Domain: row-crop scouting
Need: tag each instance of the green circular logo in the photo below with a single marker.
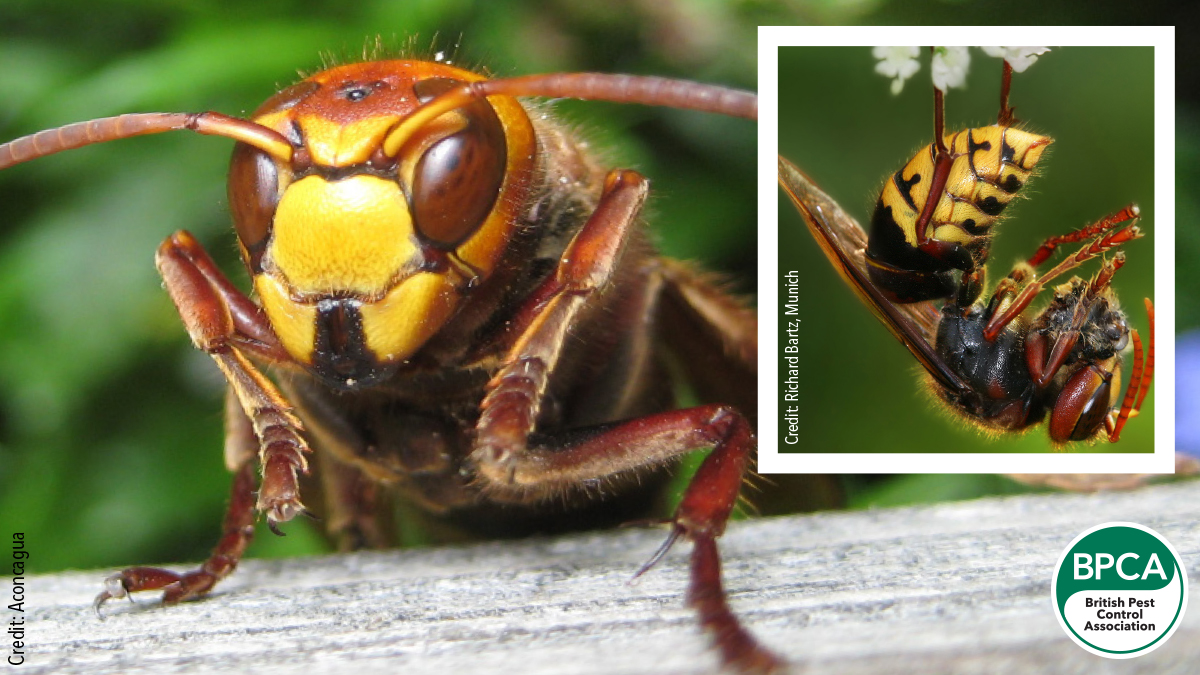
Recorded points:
(1119, 590)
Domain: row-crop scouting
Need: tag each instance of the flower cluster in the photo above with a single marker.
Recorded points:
(949, 65)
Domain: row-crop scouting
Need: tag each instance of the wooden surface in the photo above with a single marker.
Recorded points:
(961, 588)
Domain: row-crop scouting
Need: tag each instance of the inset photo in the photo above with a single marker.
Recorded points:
(982, 302)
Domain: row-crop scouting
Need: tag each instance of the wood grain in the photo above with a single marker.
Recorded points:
(954, 588)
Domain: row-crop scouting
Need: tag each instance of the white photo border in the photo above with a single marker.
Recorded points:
(770, 460)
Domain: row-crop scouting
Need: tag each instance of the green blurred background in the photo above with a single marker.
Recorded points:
(840, 123)
(110, 423)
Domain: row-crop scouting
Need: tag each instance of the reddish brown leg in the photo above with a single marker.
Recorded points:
(511, 406)
(941, 172)
(712, 336)
(238, 531)
(1083, 234)
(1139, 381)
(702, 514)
(1098, 246)
(1149, 356)
(939, 122)
(1007, 116)
(508, 465)
(224, 323)
(353, 515)
(1009, 286)
(739, 648)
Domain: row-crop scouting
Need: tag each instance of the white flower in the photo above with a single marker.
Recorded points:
(1019, 58)
(899, 63)
(950, 67)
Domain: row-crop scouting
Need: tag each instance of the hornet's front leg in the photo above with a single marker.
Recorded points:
(236, 535)
(227, 325)
(508, 463)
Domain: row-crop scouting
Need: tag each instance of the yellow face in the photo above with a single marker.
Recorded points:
(359, 256)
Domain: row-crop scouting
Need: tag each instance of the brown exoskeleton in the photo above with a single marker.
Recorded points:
(459, 305)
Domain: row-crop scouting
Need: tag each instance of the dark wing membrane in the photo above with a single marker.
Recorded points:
(844, 243)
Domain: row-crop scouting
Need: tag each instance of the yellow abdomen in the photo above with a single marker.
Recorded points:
(989, 165)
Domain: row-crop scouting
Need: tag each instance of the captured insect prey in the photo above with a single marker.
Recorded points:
(427, 249)
(1010, 310)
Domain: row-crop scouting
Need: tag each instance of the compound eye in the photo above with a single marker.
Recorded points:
(254, 193)
(457, 180)
(1118, 332)
(1082, 405)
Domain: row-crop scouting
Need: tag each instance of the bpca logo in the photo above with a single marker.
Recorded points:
(1119, 590)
